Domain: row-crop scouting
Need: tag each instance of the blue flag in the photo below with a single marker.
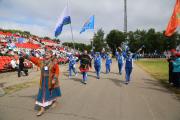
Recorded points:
(63, 20)
(88, 25)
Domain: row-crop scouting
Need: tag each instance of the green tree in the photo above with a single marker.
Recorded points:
(136, 39)
(172, 42)
(115, 39)
(152, 40)
(98, 40)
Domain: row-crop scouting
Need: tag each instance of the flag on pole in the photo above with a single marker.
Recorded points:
(89, 24)
(174, 21)
(63, 20)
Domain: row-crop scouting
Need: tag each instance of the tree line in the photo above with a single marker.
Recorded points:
(151, 40)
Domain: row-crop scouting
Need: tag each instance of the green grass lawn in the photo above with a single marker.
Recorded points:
(158, 68)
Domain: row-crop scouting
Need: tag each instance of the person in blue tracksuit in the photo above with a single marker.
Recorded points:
(116, 54)
(128, 66)
(97, 64)
(92, 54)
(103, 55)
(108, 63)
(120, 59)
(72, 63)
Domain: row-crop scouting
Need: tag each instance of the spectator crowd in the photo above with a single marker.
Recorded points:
(12, 45)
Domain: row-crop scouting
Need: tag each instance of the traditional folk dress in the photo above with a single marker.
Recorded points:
(85, 64)
(48, 92)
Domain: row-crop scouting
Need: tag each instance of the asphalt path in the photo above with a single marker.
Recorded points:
(106, 99)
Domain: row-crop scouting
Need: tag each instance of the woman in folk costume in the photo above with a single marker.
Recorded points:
(85, 64)
(49, 81)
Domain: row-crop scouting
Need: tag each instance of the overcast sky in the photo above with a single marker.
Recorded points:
(40, 16)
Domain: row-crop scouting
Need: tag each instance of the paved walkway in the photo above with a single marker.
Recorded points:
(11, 78)
(105, 99)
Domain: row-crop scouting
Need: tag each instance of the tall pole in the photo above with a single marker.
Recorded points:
(71, 27)
(72, 36)
(91, 43)
(93, 37)
(125, 16)
(124, 44)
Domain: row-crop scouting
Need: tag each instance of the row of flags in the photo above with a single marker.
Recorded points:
(66, 19)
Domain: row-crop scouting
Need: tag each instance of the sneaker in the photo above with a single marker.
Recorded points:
(85, 82)
(126, 82)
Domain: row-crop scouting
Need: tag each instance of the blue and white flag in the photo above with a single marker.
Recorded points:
(63, 20)
(88, 25)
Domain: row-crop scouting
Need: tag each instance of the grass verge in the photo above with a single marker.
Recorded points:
(158, 68)
(18, 87)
